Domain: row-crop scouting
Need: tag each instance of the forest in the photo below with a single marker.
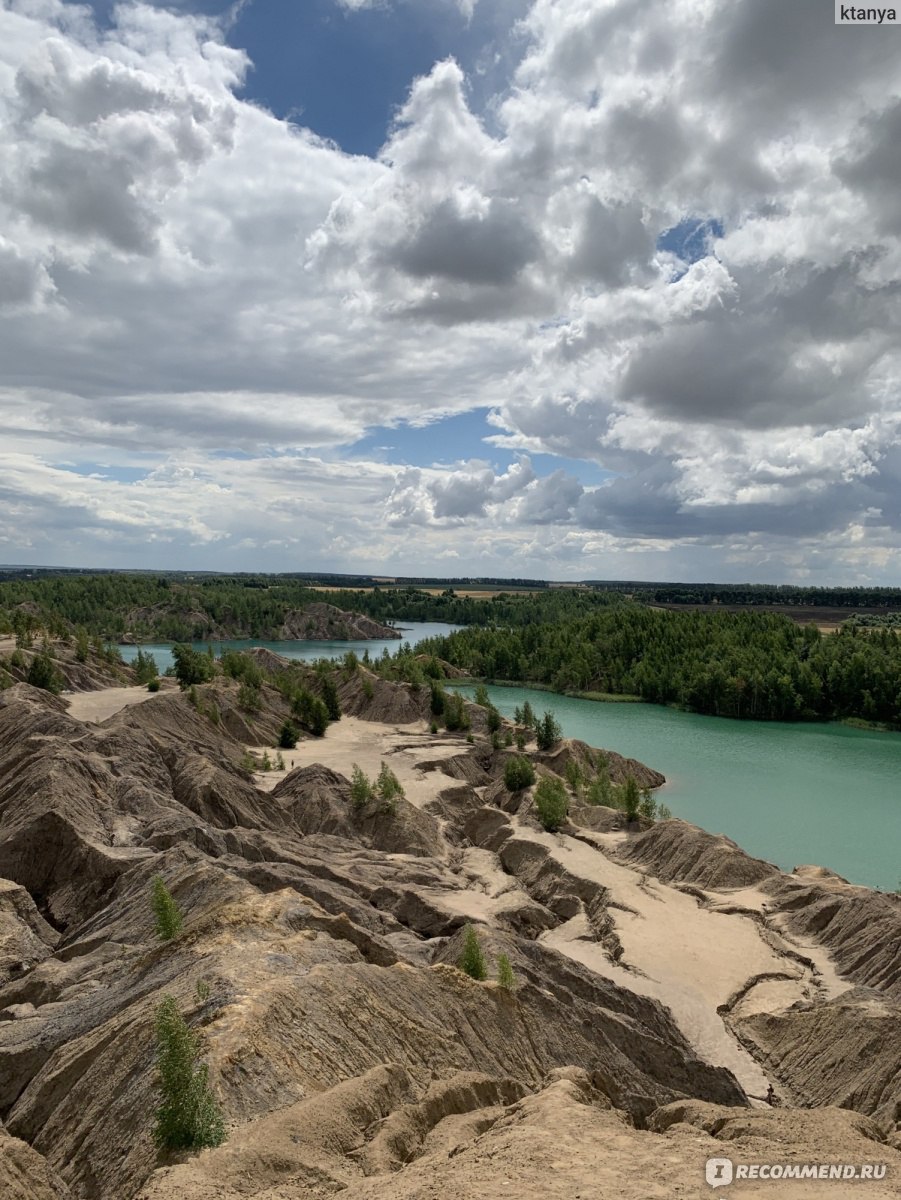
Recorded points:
(160, 608)
(747, 665)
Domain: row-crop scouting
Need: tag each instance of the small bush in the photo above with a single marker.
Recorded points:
(249, 697)
(330, 698)
(494, 719)
(389, 788)
(153, 685)
(437, 698)
(43, 674)
(279, 761)
(287, 736)
(165, 910)
(505, 977)
(551, 803)
(518, 774)
(472, 960)
(202, 991)
(368, 689)
(455, 714)
(631, 798)
(664, 813)
(188, 1117)
(361, 790)
(548, 732)
(433, 727)
(481, 696)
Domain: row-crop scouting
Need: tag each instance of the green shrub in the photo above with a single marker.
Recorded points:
(472, 960)
(153, 685)
(631, 798)
(664, 813)
(436, 701)
(389, 788)
(505, 976)
(481, 696)
(330, 698)
(191, 666)
(279, 761)
(574, 778)
(548, 732)
(287, 736)
(361, 790)
(144, 667)
(494, 719)
(188, 1117)
(43, 674)
(433, 727)
(518, 774)
(647, 806)
(368, 690)
(455, 714)
(249, 697)
(599, 790)
(551, 803)
(165, 910)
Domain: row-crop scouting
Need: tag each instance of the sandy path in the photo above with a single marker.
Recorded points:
(690, 957)
(95, 707)
(369, 744)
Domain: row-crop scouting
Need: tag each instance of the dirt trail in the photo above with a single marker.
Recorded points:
(689, 954)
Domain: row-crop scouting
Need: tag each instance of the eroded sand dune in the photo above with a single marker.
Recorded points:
(663, 979)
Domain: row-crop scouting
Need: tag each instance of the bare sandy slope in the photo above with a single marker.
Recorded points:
(694, 954)
(368, 744)
(96, 706)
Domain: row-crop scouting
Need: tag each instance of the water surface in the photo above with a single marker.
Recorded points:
(789, 793)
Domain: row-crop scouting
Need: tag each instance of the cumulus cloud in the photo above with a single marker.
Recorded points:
(218, 304)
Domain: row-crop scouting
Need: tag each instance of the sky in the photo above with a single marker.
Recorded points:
(569, 289)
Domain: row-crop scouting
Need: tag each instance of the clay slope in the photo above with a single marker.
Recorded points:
(317, 964)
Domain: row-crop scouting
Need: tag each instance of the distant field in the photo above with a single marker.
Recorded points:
(826, 619)
(472, 593)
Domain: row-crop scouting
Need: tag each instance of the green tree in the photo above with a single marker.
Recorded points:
(548, 732)
(43, 674)
(165, 910)
(551, 803)
(188, 1117)
(472, 960)
(144, 667)
(505, 976)
(481, 696)
(330, 698)
(631, 798)
(389, 788)
(436, 698)
(191, 666)
(287, 736)
(518, 773)
(361, 789)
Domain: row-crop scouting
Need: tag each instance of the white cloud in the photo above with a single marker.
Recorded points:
(219, 304)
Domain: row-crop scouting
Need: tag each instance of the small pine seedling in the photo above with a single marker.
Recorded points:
(472, 960)
(505, 976)
(166, 911)
(188, 1117)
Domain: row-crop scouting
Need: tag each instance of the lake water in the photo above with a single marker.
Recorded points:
(413, 632)
(790, 793)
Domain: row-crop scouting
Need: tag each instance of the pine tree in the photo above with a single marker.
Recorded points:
(188, 1117)
(631, 798)
(505, 977)
(551, 803)
(472, 960)
(166, 911)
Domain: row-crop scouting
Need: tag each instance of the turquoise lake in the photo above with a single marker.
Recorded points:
(789, 793)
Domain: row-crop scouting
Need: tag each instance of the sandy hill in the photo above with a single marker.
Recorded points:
(663, 979)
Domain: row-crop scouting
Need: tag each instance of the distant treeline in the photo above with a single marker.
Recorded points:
(754, 593)
(163, 608)
(747, 665)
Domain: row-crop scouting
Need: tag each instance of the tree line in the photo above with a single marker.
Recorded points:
(747, 665)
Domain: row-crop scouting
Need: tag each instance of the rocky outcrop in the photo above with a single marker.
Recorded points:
(326, 623)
